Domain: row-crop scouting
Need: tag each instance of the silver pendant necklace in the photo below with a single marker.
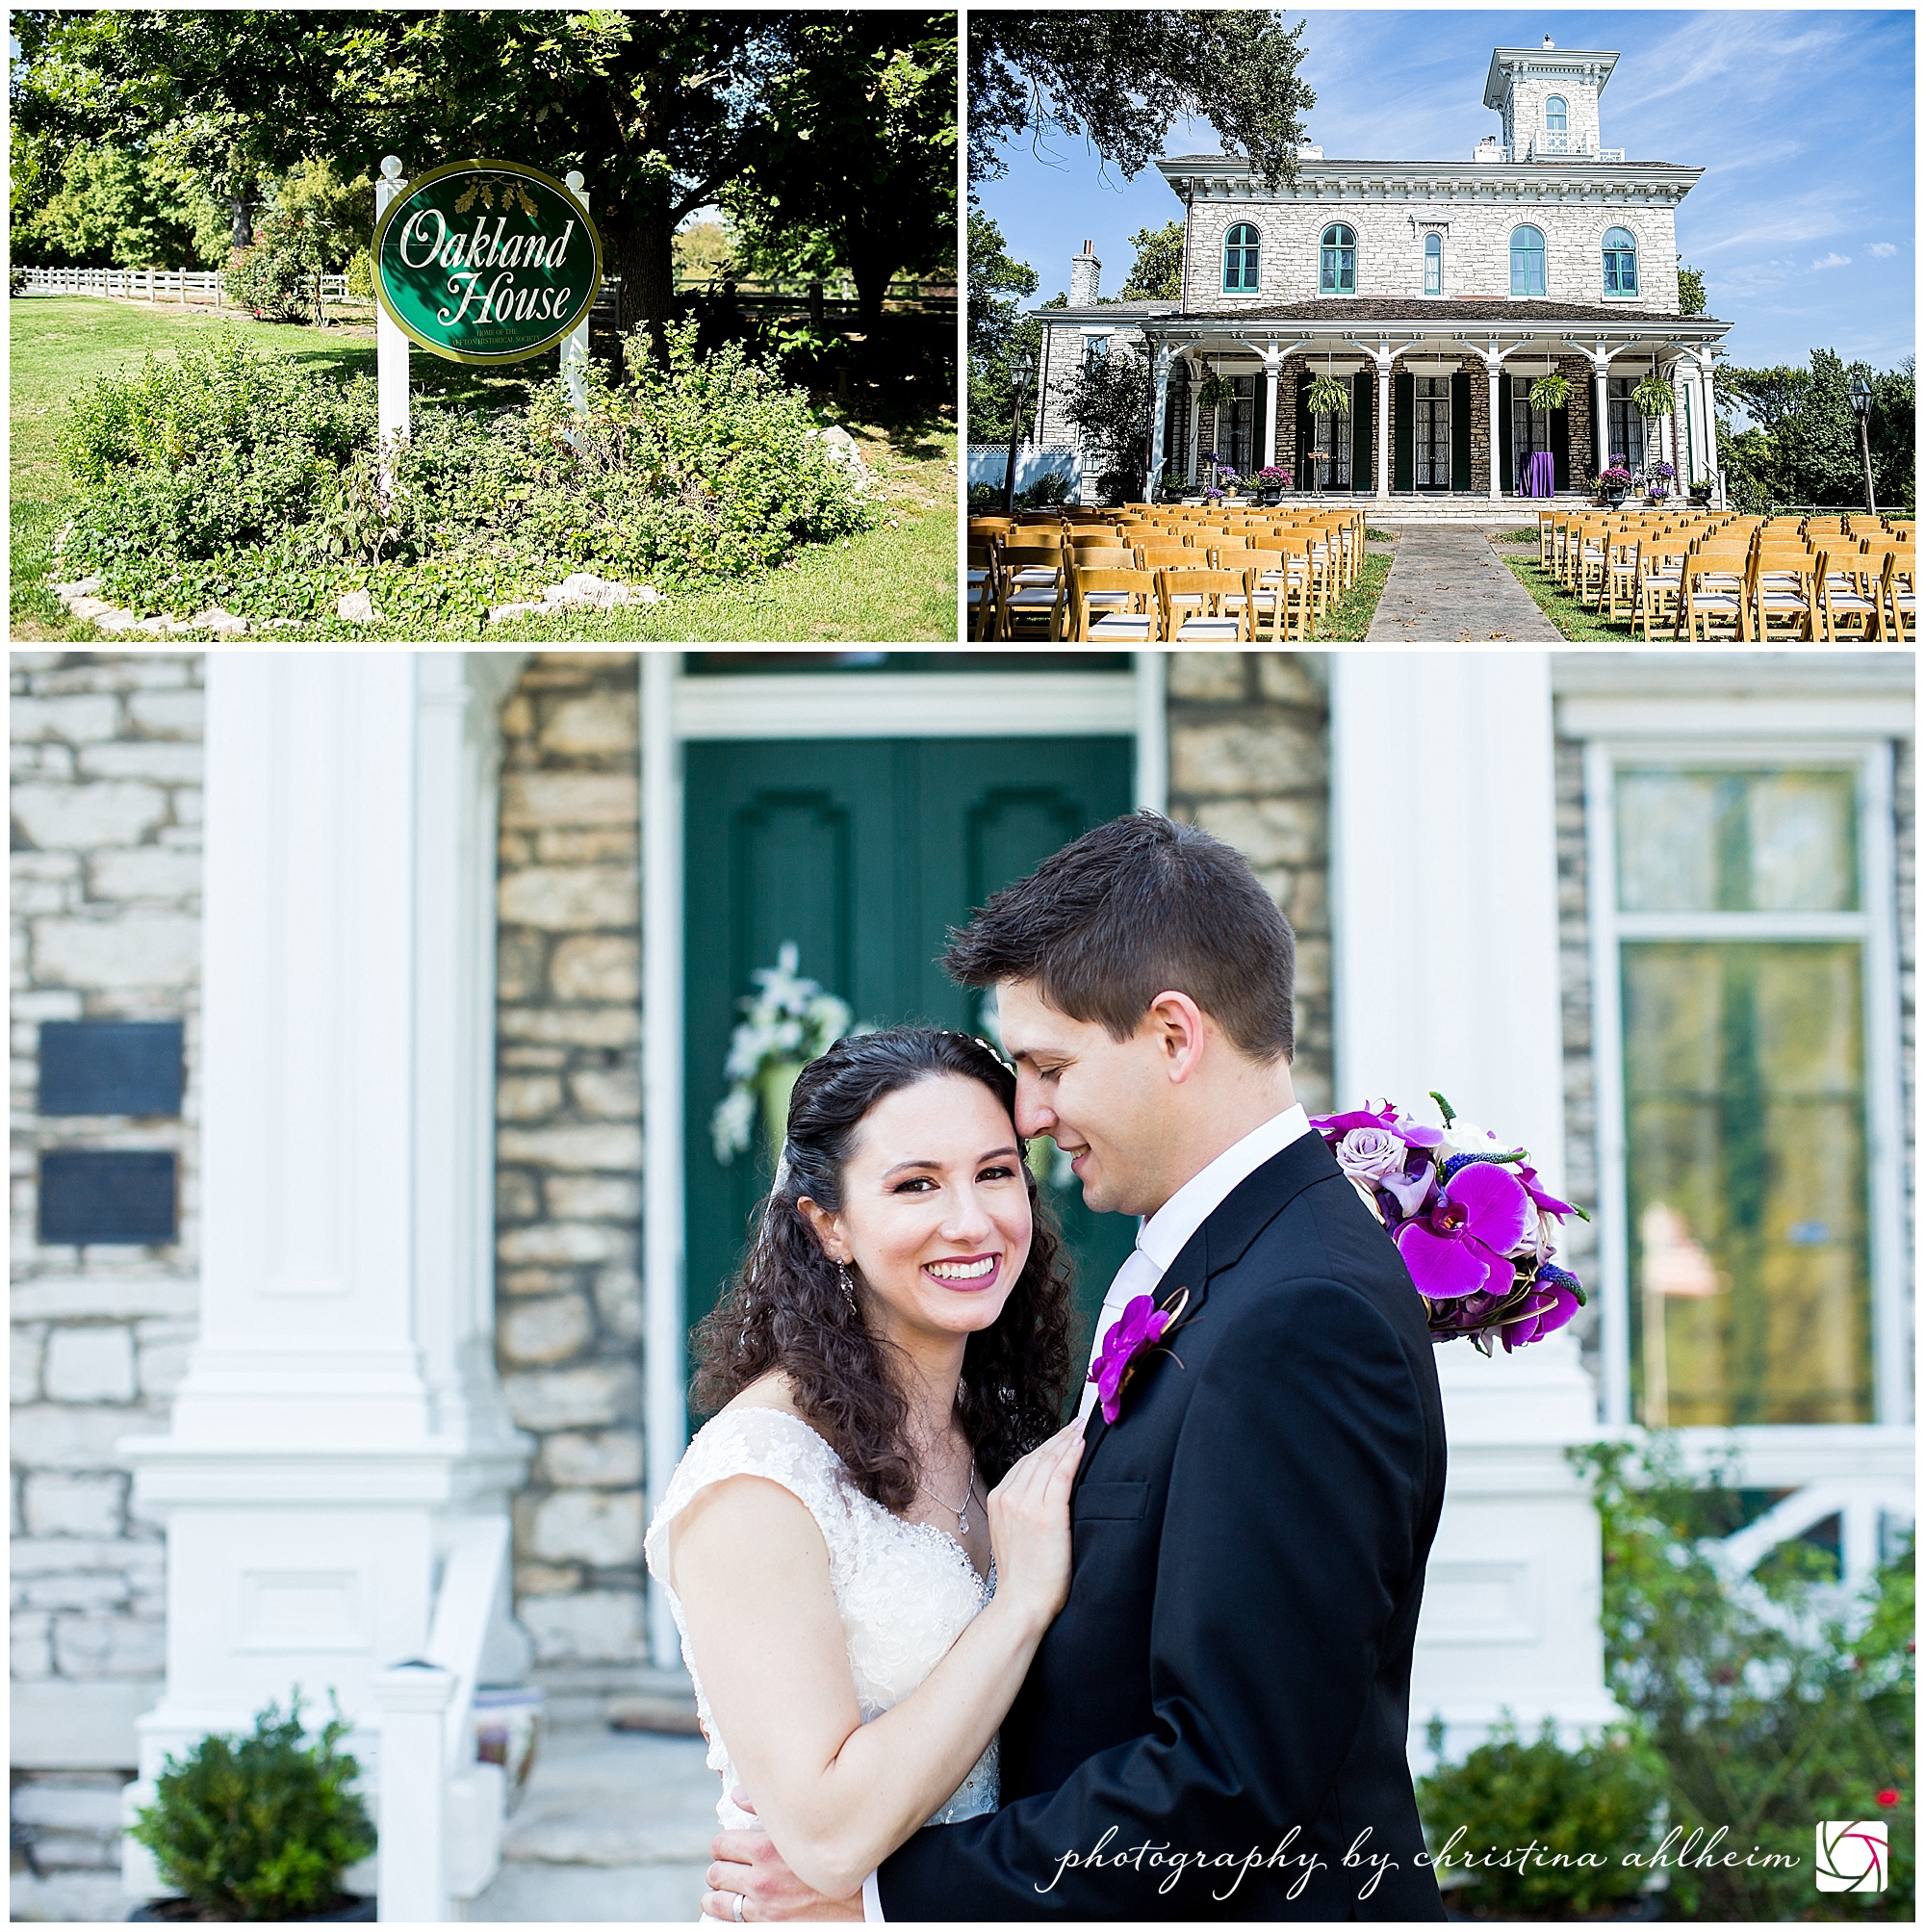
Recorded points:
(961, 1515)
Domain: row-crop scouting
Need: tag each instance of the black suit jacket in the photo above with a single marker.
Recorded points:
(1230, 1680)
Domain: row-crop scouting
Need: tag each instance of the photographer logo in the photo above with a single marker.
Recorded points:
(1854, 1855)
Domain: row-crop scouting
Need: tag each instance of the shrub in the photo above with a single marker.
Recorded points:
(259, 1827)
(1768, 1713)
(1549, 1808)
(361, 276)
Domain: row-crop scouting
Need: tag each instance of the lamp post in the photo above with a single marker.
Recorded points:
(1861, 408)
(1020, 378)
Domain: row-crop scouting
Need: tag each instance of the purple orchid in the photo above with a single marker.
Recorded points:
(1334, 1127)
(1463, 1243)
(1135, 1332)
(1556, 1296)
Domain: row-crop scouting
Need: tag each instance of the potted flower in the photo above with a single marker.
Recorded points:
(1653, 397)
(1228, 482)
(788, 1023)
(1549, 392)
(1272, 482)
(1329, 396)
(1614, 484)
(1660, 484)
(259, 1827)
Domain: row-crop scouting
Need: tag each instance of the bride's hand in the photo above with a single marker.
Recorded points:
(1029, 1525)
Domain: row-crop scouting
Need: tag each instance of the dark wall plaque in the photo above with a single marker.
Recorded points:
(97, 1194)
(110, 1067)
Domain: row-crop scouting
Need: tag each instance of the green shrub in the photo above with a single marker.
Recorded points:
(1566, 1820)
(1769, 1715)
(259, 1827)
(361, 276)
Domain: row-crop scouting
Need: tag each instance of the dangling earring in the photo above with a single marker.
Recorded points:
(848, 1287)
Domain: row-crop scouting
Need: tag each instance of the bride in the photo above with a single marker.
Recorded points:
(863, 1548)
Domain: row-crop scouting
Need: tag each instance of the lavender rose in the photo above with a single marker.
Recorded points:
(1369, 1154)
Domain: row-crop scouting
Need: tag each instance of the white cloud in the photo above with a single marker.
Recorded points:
(1832, 261)
(1881, 250)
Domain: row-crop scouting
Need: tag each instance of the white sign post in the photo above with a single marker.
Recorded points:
(575, 348)
(391, 343)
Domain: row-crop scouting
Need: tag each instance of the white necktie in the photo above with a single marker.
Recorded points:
(1137, 1276)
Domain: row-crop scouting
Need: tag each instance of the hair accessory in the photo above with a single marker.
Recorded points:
(848, 1287)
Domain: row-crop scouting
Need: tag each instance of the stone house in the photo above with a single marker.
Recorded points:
(1435, 293)
(364, 1340)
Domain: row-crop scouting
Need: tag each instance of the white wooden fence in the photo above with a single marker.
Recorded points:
(185, 286)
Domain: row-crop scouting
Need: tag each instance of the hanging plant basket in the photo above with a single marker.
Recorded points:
(1549, 391)
(1329, 396)
(1653, 398)
(1217, 389)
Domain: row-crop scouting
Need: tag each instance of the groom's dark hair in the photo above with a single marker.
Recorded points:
(1134, 908)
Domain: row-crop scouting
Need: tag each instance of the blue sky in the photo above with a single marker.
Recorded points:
(1803, 123)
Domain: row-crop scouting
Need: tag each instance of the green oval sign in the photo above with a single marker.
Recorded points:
(486, 261)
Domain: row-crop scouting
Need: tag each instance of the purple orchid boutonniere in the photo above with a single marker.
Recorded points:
(1132, 1336)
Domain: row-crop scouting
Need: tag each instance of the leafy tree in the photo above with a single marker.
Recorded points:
(1804, 446)
(1000, 338)
(1109, 399)
(859, 148)
(661, 111)
(1690, 291)
(1121, 80)
(703, 251)
(1156, 276)
(115, 207)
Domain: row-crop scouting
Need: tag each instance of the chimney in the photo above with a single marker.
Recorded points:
(1549, 41)
(1085, 273)
(1489, 150)
(1308, 150)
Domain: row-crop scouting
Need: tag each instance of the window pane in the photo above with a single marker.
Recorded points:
(1751, 1296)
(1736, 842)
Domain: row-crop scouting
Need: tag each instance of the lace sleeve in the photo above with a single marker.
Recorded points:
(764, 1442)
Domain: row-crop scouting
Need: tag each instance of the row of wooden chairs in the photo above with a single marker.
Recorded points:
(1267, 600)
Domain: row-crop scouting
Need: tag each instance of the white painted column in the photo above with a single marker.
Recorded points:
(1272, 364)
(1446, 974)
(338, 1423)
(1384, 367)
(1714, 468)
(1495, 438)
(575, 346)
(1150, 484)
(1601, 421)
(1195, 424)
(391, 344)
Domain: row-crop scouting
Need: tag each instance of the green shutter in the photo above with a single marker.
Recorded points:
(1403, 431)
(1560, 447)
(1301, 467)
(1363, 430)
(1460, 431)
(1504, 449)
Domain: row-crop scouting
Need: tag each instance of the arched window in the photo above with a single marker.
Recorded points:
(1556, 116)
(1620, 262)
(1239, 260)
(1340, 261)
(1527, 261)
(1433, 264)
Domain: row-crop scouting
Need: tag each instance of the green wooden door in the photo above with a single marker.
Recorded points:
(865, 852)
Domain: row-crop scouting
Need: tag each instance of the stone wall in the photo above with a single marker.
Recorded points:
(1390, 237)
(569, 1148)
(1250, 759)
(106, 925)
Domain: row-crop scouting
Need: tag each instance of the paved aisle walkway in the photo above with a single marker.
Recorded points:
(1448, 585)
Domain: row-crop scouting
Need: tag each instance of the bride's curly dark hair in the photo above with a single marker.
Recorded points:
(785, 1308)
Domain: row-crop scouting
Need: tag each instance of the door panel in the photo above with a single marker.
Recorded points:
(864, 853)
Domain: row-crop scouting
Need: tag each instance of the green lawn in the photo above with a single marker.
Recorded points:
(1347, 619)
(895, 584)
(1576, 623)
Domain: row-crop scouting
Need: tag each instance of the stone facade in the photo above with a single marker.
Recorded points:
(1250, 760)
(569, 1148)
(106, 903)
(1390, 227)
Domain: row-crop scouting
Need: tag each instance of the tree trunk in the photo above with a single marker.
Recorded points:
(645, 260)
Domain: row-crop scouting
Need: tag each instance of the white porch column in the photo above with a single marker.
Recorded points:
(1447, 977)
(1272, 365)
(1384, 366)
(1714, 468)
(340, 1424)
(1601, 421)
(1160, 404)
(1493, 438)
(1195, 424)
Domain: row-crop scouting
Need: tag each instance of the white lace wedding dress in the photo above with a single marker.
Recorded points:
(906, 1590)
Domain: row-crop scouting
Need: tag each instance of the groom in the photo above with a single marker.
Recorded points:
(1215, 1726)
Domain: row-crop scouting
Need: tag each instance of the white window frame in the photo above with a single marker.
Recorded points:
(1875, 925)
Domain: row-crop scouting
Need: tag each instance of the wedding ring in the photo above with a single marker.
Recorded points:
(739, 1919)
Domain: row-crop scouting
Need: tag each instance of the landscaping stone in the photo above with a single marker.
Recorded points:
(355, 606)
(581, 590)
(1448, 585)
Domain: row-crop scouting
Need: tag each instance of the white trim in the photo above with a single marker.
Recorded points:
(1874, 927)
(1813, 715)
(909, 705)
(1152, 732)
(664, 1411)
(1652, 677)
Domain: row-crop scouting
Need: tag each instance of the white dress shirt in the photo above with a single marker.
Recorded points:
(1160, 1240)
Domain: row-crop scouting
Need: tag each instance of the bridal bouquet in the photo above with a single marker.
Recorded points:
(1466, 1214)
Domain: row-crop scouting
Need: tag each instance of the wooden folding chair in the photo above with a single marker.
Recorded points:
(1221, 615)
(1715, 590)
(1778, 589)
(1108, 605)
(982, 581)
(1898, 596)
(1844, 595)
(1028, 579)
